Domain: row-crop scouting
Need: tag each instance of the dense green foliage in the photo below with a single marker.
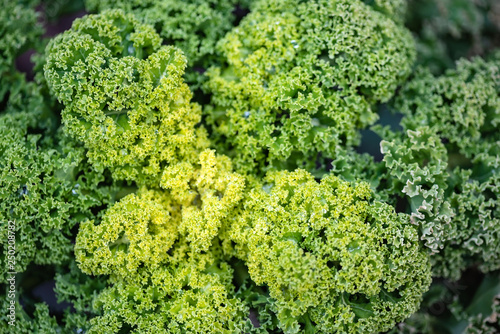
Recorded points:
(301, 79)
(116, 217)
(46, 192)
(333, 259)
(194, 26)
(124, 96)
(158, 248)
(46, 185)
(446, 163)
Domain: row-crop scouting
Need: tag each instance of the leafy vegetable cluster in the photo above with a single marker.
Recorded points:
(300, 79)
(446, 163)
(124, 96)
(334, 260)
(194, 26)
(257, 208)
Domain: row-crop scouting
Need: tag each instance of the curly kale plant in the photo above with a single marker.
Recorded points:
(332, 259)
(446, 163)
(124, 96)
(46, 187)
(194, 26)
(110, 194)
(166, 267)
(301, 79)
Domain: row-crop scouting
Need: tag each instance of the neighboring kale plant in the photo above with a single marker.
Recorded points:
(300, 80)
(124, 96)
(194, 26)
(446, 163)
(160, 248)
(333, 259)
(47, 187)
